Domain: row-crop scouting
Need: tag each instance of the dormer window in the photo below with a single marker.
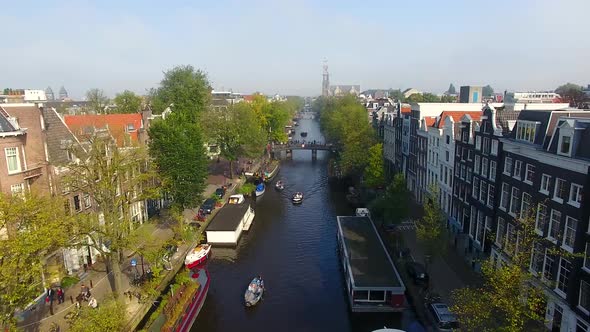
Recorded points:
(565, 145)
(526, 130)
(130, 127)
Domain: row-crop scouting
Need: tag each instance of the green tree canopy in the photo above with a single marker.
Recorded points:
(127, 102)
(236, 130)
(571, 93)
(97, 100)
(431, 229)
(374, 172)
(393, 206)
(32, 227)
(184, 87)
(397, 95)
(110, 315)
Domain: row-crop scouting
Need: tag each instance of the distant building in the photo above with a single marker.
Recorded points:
(326, 81)
(532, 97)
(32, 96)
(341, 90)
(49, 94)
(411, 91)
(63, 93)
(470, 94)
(22, 96)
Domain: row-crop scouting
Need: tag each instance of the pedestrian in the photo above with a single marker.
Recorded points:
(92, 303)
(60, 295)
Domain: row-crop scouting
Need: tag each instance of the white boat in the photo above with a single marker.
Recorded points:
(197, 256)
(260, 189)
(279, 185)
(254, 292)
(297, 198)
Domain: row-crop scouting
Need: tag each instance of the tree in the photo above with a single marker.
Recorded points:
(571, 93)
(511, 297)
(127, 102)
(177, 144)
(32, 227)
(448, 99)
(236, 131)
(374, 172)
(452, 90)
(185, 88)
(97, 100)
(430, 98)
(110, 315)
(393, 206)
(415, 98)
(430, 230)
(487, 91)
(397, 95)
(115, 179)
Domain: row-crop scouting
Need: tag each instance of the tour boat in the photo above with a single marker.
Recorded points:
(254, 291)
(197, 256)
(298, 198)
(279, 185)
(260, 188)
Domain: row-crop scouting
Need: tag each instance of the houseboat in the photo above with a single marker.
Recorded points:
(227, 225)
(372, 281)
(190, 299)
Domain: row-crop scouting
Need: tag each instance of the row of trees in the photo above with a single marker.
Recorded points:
(124, 102)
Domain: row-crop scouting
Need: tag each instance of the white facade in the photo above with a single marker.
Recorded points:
(35, 95)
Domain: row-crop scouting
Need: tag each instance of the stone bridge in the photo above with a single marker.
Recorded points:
(278, 149)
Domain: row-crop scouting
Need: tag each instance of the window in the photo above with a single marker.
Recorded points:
(77, 205)
(469, 174)
(447, 155)
(501, 230)
(12, 160)
(507, 165)
(515, 200)
(463, 172)
(541, 219)
(559, 191)
(537, 258)
(16, 189)
(517, 168)
(525, 205)
(566, 143)
(529, 173)
(448, 139)
(565, 267)
(491, 195)
(475, 191)
(505, 196)
(484, 167)
(476, 165)
(569, 235)
(472, 222)
(545, 182)
(587, 257)
(494, 147)
(554, 224)
(87, 202)
(483, 192)
(584, 300)
(470, 155)
(492, 170)
(575, 195)
(525, 131)
(478, 142)
(510, 244)
(480, 226)
(130, 127)
(465, 136)
(548, 266)
(486, 145)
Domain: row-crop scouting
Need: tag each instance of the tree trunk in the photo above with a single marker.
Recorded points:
(231, 169)
(117, 273)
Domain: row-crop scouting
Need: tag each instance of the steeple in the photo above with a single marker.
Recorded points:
(326, 80)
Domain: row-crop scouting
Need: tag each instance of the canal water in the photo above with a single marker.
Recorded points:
(294, 248)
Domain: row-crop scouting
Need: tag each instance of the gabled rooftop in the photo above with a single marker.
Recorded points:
(123, 127)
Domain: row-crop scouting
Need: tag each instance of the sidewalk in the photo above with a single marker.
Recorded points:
(39, 318)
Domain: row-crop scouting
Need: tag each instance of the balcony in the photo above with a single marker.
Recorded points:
(33, 171)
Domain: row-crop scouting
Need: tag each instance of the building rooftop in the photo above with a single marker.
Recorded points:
(121, 126)
(369, 261)
(228, 217)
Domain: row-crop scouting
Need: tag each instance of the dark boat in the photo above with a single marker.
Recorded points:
(279, 185)
(254, 291)
(303, 134)
(297, 198)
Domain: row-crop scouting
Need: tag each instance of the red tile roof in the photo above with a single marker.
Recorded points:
(457, 115)
(248, 98)
(117, 125)
(430, 120)
(406, 109)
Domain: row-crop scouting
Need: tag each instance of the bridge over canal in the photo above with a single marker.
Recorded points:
(278, 149)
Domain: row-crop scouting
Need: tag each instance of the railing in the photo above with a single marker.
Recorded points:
(299, 145)
(33, 171)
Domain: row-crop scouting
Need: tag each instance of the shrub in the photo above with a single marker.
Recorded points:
(68, 281)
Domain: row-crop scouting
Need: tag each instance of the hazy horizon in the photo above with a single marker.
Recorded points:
(279, 46)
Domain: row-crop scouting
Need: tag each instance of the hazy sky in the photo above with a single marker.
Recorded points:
(277, 46)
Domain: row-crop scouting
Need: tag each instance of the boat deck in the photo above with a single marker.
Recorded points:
(249, 220)
(368, 259)
(229, 217)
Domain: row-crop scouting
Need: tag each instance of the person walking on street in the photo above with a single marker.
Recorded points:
(60, 295)
(50, 298)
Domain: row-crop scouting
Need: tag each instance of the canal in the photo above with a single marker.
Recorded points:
(294, 248)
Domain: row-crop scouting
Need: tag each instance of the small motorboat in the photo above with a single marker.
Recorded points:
(303, 134)
(297, 198)
(254, 291)
(197, 256)
(279, 185)
(260, 189)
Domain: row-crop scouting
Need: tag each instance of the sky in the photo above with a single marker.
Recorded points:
(278, 46)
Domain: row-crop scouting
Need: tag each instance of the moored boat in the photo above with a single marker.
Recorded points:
(254, 291)
(274, 169)
(260, 189)
(297, 198)
(279, 185)
(197, 256)
(303, 134)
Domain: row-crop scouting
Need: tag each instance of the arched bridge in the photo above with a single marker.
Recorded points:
(314, 147)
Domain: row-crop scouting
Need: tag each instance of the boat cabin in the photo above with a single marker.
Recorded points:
(372, 281)
(227, 225)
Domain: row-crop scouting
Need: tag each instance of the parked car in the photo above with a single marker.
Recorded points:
(444, 319)
(208, 205)
(220, 192)
(418, 272)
